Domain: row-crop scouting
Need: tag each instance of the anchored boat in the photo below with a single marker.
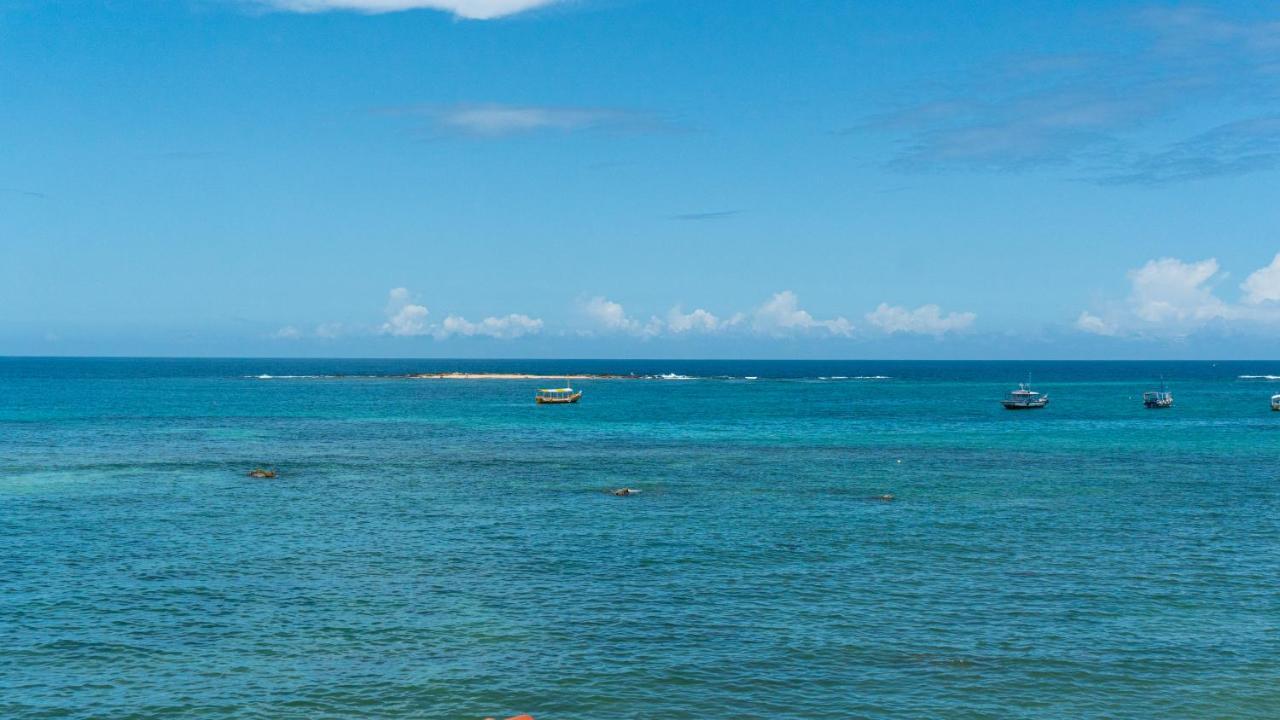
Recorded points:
(557, 396)
(1024, 398)
(1275, 402)
(1157, 398)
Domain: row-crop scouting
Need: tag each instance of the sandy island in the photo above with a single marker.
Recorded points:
(515, 376)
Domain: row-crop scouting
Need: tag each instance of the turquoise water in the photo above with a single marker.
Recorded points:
(446, 549)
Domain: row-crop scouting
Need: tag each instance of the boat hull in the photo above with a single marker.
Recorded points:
(1024, 406)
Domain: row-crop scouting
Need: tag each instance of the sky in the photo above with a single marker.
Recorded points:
(640, 178)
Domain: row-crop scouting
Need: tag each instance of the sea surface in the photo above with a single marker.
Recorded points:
(448, 549)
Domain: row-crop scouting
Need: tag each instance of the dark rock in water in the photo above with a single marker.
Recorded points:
(624, 492)
(260, 473)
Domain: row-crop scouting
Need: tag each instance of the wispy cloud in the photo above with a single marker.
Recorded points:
(1007, 134)
(496, 120)
(469, 9)
(924, 320)
(191, 154)
(20, 191)
(1186, 28)
(714, 215)
(1236, 148)
(1087, 113)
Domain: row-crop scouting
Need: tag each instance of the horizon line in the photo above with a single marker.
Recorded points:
(618, 359)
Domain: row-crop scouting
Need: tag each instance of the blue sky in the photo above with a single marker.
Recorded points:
(654, 178)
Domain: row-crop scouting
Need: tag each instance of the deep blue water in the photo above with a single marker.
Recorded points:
(446, 549)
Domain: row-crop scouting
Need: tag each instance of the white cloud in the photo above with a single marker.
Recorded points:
(781, 315)
(288, 332)
(1264, 284)
(697, 321)
(924, 320)
(1090, 323)
(404, 319)
(1169, 291)
(470, 9)
(1172, 298)
(606, 313)
(611, 317)
(498, 120)
(506, 328)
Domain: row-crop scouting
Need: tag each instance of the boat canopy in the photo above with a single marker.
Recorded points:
(553, 391)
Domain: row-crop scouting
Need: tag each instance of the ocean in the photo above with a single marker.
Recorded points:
(448, 549)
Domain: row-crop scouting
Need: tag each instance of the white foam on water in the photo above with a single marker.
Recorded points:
(285, 377)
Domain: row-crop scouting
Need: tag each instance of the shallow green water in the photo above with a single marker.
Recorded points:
(444, 549)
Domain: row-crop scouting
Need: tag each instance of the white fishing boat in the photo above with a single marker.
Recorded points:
(1024, 398)
(1275, 403)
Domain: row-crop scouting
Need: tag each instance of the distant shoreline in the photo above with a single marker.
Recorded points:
(517, 376)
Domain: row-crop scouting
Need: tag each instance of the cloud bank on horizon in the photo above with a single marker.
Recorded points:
(1169, 299)
(779, 316)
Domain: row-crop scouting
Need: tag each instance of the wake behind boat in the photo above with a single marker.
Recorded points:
(1024, 398)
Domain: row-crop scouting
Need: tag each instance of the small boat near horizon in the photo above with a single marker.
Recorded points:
(1024, 398)
(1154, 399)
(1275, 403)
(557, 396)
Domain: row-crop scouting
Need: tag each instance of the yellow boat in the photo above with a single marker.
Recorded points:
(558, 396)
